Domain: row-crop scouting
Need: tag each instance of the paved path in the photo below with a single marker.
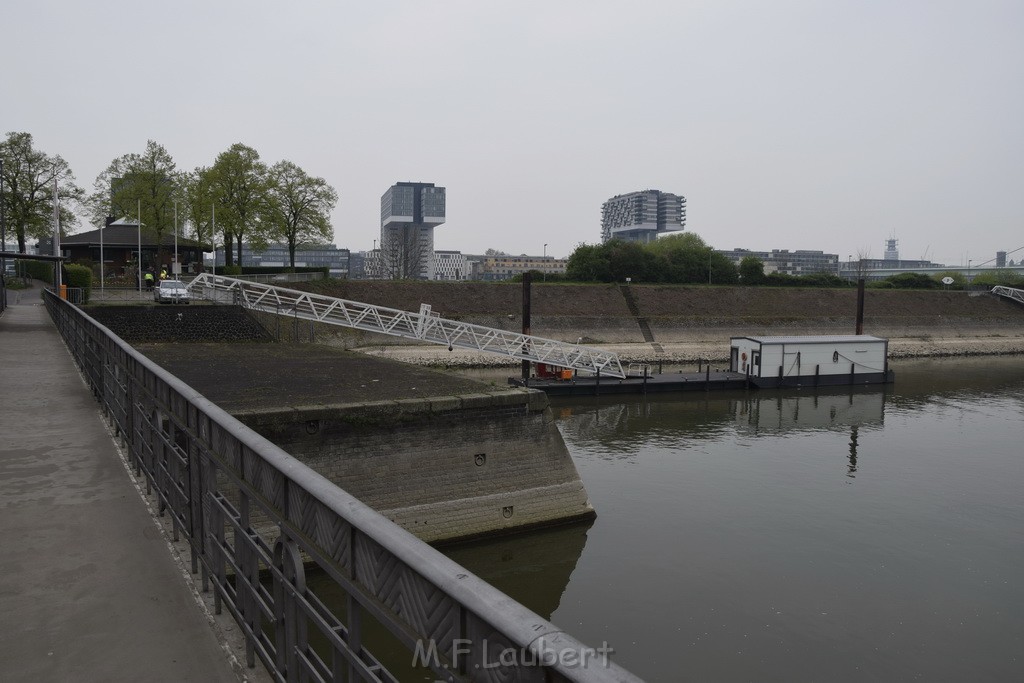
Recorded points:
(89, 589)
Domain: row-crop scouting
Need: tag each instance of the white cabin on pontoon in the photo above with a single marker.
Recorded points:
(812, 360)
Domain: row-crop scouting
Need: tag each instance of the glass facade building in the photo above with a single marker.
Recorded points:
(409, 212)
(642, 216)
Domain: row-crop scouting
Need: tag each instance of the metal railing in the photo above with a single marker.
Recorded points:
(256, 518)
(425, 326)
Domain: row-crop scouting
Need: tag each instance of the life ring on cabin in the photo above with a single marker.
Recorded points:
(743, 356)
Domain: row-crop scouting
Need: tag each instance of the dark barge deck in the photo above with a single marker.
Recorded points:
(652, 384)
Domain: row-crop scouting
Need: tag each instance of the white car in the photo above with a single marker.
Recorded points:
(171, 292)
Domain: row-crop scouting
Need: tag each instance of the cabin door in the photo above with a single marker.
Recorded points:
(734, 359)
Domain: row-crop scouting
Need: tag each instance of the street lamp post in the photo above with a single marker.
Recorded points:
(138, 210)
(213, 235)
(176, 269)
(544, 277)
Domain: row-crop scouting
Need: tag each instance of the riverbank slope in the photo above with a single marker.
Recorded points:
(684, 323)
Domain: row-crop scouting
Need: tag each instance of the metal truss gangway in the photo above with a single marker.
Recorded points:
(425, 326)
(1010, 293)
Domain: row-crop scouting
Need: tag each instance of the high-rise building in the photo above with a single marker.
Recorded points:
(891, 252)
(642, 216)
(409, 212)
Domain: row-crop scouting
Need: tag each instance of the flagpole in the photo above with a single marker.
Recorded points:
(213, 233)
(56, 235)
(176, 269)
(138, 209)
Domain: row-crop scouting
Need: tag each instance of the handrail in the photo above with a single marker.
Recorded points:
(248, 508)
(425, 326)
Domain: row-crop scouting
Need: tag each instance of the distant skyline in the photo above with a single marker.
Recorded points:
(786, 125)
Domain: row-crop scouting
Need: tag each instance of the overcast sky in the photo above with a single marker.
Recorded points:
(792, 124)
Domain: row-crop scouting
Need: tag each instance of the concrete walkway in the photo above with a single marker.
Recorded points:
(89, 587)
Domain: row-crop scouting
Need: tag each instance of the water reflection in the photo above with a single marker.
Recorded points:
(617, 425)
(842, 536)
(535, 567)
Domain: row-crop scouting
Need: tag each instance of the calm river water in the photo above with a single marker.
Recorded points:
(793, 536)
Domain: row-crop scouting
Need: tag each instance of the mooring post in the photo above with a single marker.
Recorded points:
(526, 320)
(645, 380)
(817, 368)
(597, 384)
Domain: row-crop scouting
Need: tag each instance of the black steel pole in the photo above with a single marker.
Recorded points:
(3, 241)
(860, 306)
(526, 320)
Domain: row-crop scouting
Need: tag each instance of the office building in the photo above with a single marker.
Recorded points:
(451, 265)
(798, 262)
(642, 216)
(504, 266)
(337, 261)
(409, 212)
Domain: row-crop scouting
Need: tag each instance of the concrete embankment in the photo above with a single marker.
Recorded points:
(443, 456)
(681, 324)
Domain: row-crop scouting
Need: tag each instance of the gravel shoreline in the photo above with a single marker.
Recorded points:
(691, 352)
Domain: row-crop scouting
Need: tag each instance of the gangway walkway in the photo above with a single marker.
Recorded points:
(1010, 293)
(424, 326)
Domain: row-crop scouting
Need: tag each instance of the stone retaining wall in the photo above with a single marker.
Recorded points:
(192, 324)
(443, 468)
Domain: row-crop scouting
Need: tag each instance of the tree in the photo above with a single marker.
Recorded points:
(299, 206)
(144, 184)
(28, 189)
(688, 258)
(959, 281)
(589, 263)
(403, 250)
(751, 270)
(197, 195)
(239, 182)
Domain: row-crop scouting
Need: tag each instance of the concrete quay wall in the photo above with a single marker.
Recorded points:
(443, 468)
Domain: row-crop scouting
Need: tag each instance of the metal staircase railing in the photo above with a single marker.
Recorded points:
(424, 326)
(1010, 293)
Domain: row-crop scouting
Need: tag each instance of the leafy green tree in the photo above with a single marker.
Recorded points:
(751, 270)
(632, 260)
(959, 281)
(911, 281)
(691, 260)
(589, 263)
(146, 184)
(28, 175)
(299, 206)
(822, 279)
(992, 278)
(197, 195)
(240, 187)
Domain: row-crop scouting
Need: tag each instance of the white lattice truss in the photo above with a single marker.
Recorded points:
(1010, 293)
(424, 326)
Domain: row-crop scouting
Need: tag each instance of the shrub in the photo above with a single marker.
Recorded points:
(80, 277)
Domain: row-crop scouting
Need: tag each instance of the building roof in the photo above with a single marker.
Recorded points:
(118, 234)
(815, 339)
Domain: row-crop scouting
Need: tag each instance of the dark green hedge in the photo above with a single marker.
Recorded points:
(37, 270)
(79, 277)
